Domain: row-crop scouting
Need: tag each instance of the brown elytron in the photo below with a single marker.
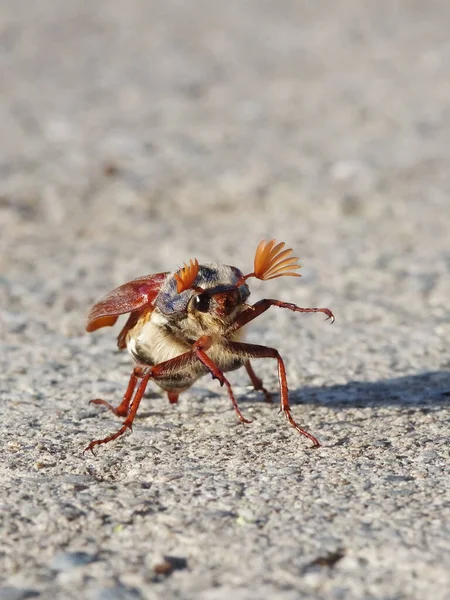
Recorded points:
(184, 325)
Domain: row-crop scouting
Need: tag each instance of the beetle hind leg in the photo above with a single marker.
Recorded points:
(257, 382)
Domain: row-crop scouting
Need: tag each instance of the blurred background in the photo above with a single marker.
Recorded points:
(138, 134)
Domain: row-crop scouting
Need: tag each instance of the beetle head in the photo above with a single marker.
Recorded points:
(217, 290)
(220, 291)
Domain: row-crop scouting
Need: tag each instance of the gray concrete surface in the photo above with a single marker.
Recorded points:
(138, 134)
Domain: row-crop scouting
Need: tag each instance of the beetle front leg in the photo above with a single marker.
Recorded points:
(198, 352)
(247, 351)
(260, 307)
(200, 346)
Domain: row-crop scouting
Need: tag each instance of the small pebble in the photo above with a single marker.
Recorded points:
(69, 560)
(120, 592)
(13, 593)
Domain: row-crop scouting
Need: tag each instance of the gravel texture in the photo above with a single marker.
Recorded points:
(139, 134)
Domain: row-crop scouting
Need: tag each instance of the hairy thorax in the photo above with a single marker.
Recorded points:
(156, 339)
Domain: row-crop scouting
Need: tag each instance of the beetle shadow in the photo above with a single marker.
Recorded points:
(429, 390)
(425, 391)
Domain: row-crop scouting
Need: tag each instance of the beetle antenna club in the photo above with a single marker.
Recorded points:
(177, 332)
(271, 261)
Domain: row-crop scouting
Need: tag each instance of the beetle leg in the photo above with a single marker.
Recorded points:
(173, 397)
(127, 424)
(200, 346)
(259, 307)
(122, 409)
(198, 352)
(247, 351)
(160, 371)
(257, 382)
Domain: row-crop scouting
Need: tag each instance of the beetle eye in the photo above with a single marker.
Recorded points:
(201, 302)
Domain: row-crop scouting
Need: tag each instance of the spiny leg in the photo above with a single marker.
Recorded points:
(200, 346)
(255, 351)
(198, 353)
(127, 424)
(257, 381)
(161, 371)
(122, 409)
(184, 360)
(259, 307)
(247, 351)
